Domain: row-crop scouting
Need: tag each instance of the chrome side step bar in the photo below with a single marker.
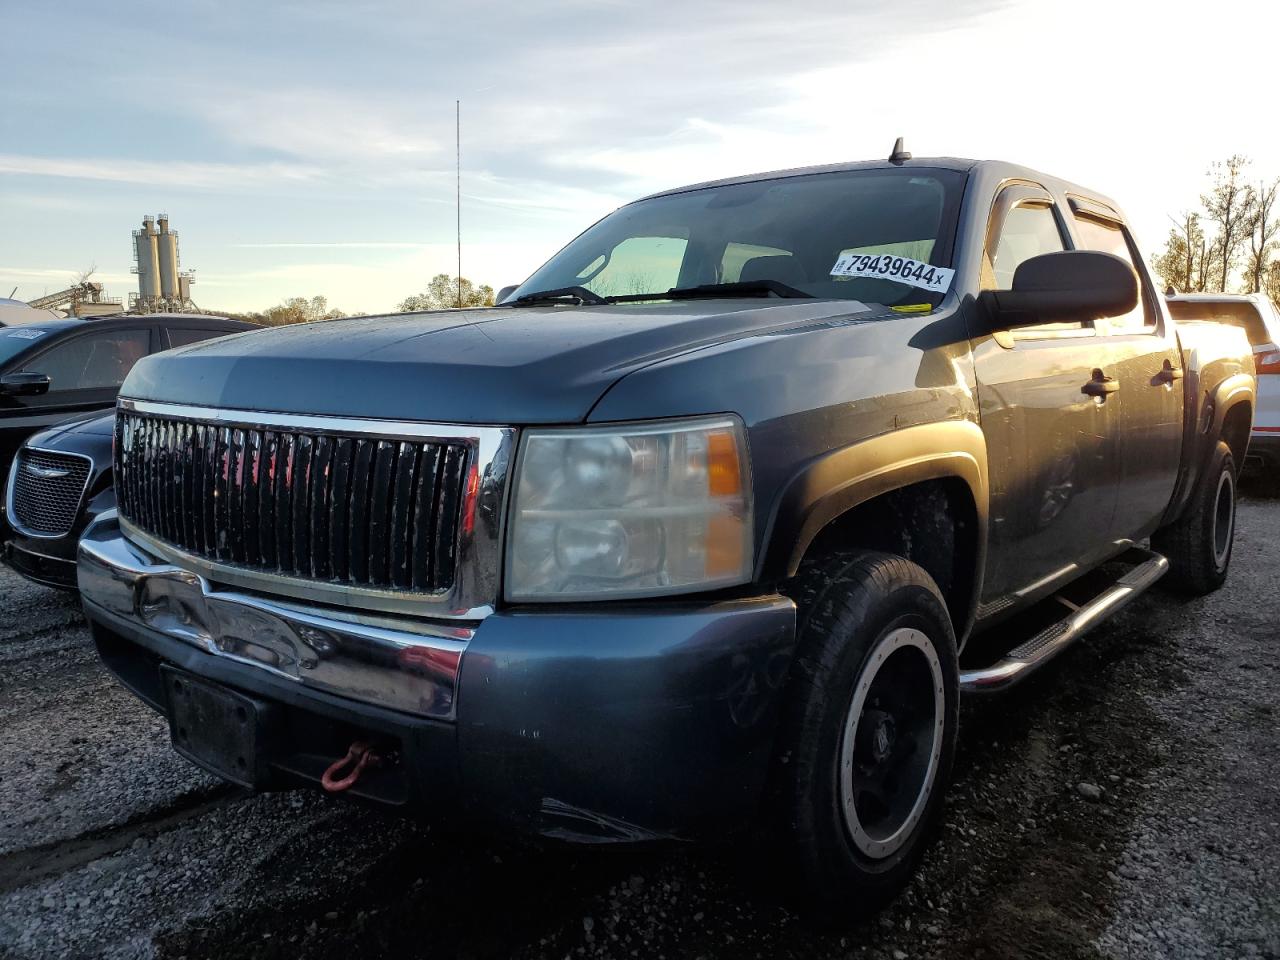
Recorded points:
(1024, 659)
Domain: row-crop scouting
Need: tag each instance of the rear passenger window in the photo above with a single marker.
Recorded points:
(182, 336)
(1112, 238)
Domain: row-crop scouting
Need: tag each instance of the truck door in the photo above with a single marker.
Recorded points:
(1051, 428)
(1146, 364)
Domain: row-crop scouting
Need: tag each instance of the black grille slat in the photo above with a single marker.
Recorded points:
(339, 507)
(299, 489)
(235, 496)
(186, 499)
(444, 544)
(318, 513)
(267, 501)
(251, 499)
(48, 504)
(284, 505)
(426, 496)
(355, 510)
(359, 524)
(401, 572)
(380, 494)
(222, 493)
(208, 506)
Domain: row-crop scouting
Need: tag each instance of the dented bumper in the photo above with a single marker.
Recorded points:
(596, 723)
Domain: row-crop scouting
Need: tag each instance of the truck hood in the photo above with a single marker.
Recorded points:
(497, 365)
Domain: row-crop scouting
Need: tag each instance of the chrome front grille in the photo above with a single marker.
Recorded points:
(46, 491)
(346, 509)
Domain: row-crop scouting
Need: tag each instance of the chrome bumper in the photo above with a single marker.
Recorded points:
(405, 665)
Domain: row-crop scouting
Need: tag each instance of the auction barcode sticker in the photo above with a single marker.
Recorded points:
(886, 266)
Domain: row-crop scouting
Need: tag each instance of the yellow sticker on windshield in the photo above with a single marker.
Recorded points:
(914, 308)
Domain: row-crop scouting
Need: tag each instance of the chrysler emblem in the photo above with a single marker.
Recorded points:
(46, 473)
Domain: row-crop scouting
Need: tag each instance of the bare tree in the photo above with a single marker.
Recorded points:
(1271, 283)
(1263, 228)
(1181, 264)
(1229, 205)
(445, 292)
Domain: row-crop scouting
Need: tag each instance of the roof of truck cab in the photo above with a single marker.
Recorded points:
(1002, 168)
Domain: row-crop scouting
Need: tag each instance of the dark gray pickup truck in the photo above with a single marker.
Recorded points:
(708, 524)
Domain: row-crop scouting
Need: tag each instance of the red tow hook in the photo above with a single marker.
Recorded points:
(360, 755)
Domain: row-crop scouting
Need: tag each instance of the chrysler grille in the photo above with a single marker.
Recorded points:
(357, 510)
(47, 489)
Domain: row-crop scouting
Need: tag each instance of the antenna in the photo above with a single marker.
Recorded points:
(899, 155)
(457, 133)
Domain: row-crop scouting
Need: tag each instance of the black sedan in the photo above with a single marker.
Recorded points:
(59, 482)
(53, 371)
(57, 379)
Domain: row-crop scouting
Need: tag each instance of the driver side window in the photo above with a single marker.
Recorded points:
(93, 361)
(1027, 231)
(1028, 228)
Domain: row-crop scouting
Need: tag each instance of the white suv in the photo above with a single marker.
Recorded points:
(1258, 316)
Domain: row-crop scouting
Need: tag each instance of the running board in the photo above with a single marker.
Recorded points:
(1024, 659)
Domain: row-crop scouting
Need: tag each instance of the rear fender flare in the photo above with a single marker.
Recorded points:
(1202, 434)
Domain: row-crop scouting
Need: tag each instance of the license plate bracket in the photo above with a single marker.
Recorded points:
(216, 728)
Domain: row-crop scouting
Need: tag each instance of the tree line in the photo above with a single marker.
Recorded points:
(442, 293)
(1230, 241)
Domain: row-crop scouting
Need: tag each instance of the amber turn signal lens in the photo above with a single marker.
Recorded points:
(724, 472)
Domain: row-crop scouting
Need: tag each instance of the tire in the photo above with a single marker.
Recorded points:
(874, 691)
(1198, 545)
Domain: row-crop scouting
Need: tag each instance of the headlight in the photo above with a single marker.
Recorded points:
(630, 511)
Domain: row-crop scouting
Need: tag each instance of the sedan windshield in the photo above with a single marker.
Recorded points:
(830, 235)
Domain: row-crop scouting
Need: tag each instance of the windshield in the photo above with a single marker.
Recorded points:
(831, 235)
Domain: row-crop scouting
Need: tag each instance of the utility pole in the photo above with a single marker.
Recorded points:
(457, 134)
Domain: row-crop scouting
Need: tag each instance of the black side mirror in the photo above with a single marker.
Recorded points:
(505, 292)
(1068, 285)
(24, 384)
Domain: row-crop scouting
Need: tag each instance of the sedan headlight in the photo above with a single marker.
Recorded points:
(630, 511)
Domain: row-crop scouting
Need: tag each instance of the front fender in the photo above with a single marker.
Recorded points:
(841, 479)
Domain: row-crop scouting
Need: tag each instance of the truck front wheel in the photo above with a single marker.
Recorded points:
(869, 729)
(1198, 544)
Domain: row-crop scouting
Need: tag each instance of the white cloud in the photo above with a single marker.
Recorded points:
(320, 125)
(223, 176)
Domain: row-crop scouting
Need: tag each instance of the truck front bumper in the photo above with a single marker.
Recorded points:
(590, 723)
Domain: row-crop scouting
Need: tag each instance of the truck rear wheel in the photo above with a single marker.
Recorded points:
(1198, 545)
(869, 730)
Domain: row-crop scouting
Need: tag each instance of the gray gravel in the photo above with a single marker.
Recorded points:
(1200, 875)
(1122, 805)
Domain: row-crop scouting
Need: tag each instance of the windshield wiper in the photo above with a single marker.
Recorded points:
(744, 288)
(574, 295)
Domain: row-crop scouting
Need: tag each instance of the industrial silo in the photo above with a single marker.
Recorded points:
(148, 261)
(167, 246)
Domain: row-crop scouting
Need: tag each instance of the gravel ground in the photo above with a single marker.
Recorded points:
(1121, 805)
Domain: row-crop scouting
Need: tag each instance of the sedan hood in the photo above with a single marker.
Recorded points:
(499, 365)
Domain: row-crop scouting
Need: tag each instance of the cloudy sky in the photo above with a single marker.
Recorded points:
(304, 149)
